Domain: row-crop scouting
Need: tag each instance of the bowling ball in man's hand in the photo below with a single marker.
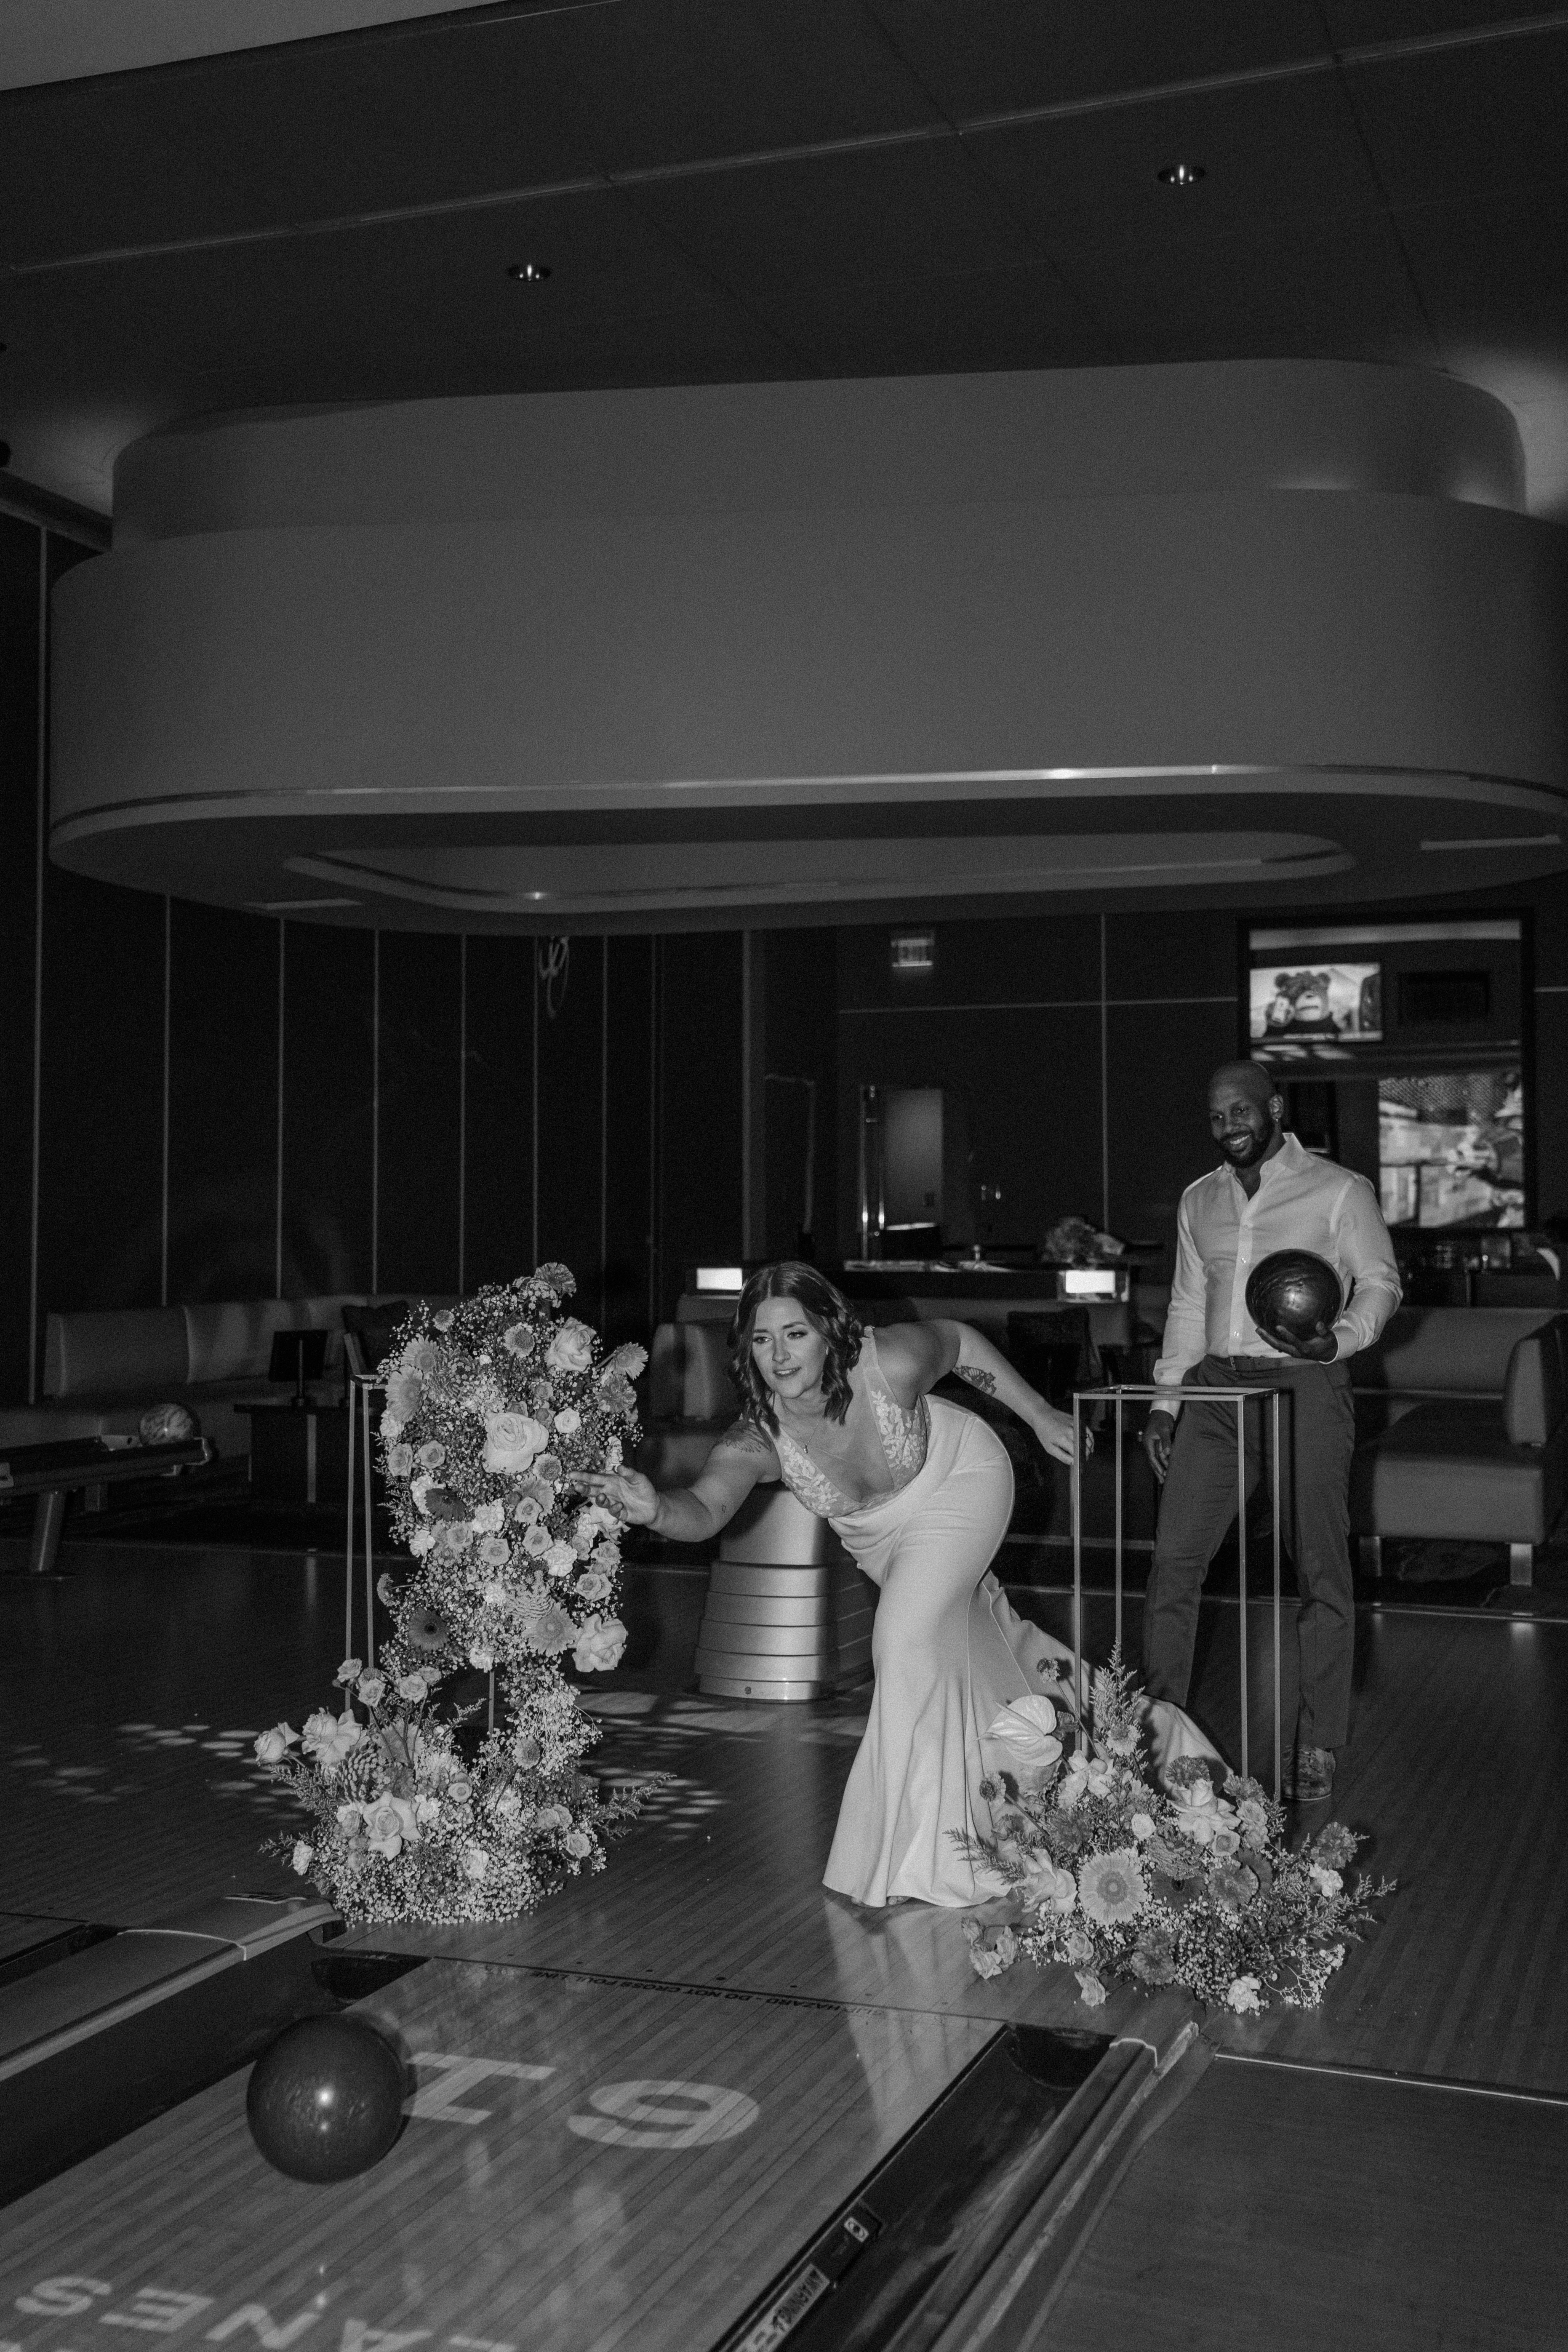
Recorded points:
(1294, 1295)
(325, 2100)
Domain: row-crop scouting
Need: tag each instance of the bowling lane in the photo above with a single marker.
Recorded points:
(584, 2166)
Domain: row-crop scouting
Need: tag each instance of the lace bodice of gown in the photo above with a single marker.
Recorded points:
(905, 1433)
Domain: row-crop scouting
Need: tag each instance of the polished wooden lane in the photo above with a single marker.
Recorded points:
(586, 2165)
(129, 1695)
(1307, 2212)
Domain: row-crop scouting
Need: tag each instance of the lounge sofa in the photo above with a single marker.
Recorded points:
(1463, 1416)
(102, 1370)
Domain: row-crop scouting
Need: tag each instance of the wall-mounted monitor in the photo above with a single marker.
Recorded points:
(1318, 1009)
(1451, 1148)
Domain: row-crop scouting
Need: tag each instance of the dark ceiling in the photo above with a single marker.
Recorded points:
(729, 190)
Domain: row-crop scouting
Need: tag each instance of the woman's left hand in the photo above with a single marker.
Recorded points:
(1054, 1431)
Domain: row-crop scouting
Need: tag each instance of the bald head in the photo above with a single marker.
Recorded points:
(1249, 1079)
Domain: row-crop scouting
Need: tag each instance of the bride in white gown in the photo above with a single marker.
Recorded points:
(921, 1493)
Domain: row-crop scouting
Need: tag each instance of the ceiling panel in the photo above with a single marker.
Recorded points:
(670, 80)
(1327, 289)
(1276, 153)
(988, 56)
(1021, 317)
(1352, 22)
(445, 109)
(839, 217)
(1493, 116)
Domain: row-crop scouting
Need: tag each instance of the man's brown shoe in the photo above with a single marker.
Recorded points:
(1310, 1776)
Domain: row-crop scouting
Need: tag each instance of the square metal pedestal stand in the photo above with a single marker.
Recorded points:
(1119, 1398)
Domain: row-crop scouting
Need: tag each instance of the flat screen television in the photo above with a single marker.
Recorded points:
(1450, 1148)
(1314, 1010)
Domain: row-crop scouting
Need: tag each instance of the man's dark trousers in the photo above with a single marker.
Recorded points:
(1316, 1436)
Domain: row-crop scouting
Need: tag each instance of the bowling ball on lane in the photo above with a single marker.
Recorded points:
(1296, 1292)
(325, 2099)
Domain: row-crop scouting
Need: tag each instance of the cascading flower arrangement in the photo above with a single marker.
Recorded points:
(1127, 1885)
(492, 1408)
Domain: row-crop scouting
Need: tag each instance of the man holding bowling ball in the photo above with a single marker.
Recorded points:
(1267, 1195)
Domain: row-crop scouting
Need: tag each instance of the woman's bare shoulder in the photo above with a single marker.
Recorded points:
(908, 1354)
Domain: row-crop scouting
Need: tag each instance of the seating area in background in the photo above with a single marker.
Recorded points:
(1462, 1413)
(102, 1370)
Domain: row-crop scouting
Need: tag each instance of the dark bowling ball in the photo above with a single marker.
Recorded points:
(326, 2099)
(1295, 1292)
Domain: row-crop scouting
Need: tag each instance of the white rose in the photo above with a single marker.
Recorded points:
(350, 1670)
(572, 1348)
(568, 1421)
(399, 1460)
(559, 1558)
(476, 1863)
(1243, 1995)
(370, 1687)
(512, 1440)
(1327, 1882)
(422, 1540)
(390, 1825)
(273, 1746)
(600, 1642)
(481, 1658)
(302, 1856)
(488, 1519)
(1142, 1826)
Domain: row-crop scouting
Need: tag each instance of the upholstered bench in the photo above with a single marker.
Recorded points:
(1470, 1443)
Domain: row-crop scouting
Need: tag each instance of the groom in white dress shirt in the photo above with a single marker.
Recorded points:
(1267, 1195)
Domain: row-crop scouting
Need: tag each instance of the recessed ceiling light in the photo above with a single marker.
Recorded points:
(529, 273)
(1180, 175)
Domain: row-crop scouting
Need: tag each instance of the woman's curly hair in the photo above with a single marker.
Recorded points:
(825, 1309)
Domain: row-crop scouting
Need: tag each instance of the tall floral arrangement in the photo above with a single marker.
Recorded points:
(1129, 1883)
(492, 1409)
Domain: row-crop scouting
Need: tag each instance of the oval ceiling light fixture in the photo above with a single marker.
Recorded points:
(1179, 175)
(529, 273)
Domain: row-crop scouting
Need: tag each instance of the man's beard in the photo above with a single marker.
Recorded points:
(1257, 1148)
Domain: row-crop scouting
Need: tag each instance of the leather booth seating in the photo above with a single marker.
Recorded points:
(102, 1370)
(1468, 1414)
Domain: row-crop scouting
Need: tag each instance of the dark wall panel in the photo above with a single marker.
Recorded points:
(699, 1123)
(223, 1103)
(802, 1032)
(1159, 1058)
(420, 1028)
(20, 544)
(628, 1202)
(101, 1134)
(570, 1121)
(327, 1080)
(1031, 1085)
(1170, 955)
(1016, 959)
(498, 1191)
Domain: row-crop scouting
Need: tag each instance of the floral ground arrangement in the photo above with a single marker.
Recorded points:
(1128, 1885)
(491, 1408)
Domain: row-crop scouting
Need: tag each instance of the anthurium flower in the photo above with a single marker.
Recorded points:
(1027, 1731)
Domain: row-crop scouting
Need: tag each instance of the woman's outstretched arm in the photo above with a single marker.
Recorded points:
(741, 1459)
(924, 1353)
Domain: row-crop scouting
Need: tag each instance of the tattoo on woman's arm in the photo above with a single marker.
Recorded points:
(978, 1377)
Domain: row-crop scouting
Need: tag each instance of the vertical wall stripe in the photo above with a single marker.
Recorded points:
(278, 1174)
(745, 1093)
(462, 1112)
(653, 1020)
(533, 1122)
(604, 1130)
(1104, 1088)
(375, 1111)
(41, 827)
(168, 999)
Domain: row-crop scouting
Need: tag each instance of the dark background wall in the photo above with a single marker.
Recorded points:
(232, 1105)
